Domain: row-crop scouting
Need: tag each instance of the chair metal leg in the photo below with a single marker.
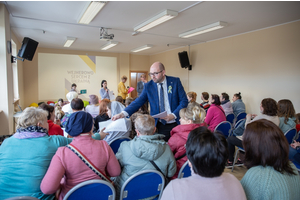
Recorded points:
(235, 158)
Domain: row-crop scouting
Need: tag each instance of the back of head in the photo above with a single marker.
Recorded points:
(77, 104)
(205, 95)
(286, 109)
(71, 95)
(119, 99)
(31, 116)
(128, 101)
(94, 100)
(193, 112)
(216, 99)
(207, 152)
(103, 106)
(192, 95)
(145, 124)
(266, 145)
(48, 108)
(225, 96)
(79, 122)
(238, 95)
(270, 106)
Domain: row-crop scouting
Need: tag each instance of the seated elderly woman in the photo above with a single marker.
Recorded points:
(67, 108)
(73, 169)
(270, 175)
(25, 157)
(207, 154)
(190, 118)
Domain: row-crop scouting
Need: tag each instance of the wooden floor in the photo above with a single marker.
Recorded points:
(238, 172)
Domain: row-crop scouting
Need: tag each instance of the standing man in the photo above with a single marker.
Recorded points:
(140, 85)
(164, 93)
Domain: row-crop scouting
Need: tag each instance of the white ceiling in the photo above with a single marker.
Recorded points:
(59, 19)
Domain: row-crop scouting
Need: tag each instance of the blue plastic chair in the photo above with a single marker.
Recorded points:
(115, 144)
(224, 127)
(240, 116)
(92, 190)
(238, 123)
(148, 183)
(230, 118)
(297, 166)
(290, 134)
(185, 171)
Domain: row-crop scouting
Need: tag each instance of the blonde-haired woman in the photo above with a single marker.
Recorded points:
(191, 96)
(122, 90)
(190, 118)
(26, 156)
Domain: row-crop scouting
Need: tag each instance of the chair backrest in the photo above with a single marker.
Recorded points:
(115, 144)
(148, 183)
(22, 198)
(290, 134)
(240, 116)
(230, 118)
(238, 122)
(92, 190)
(297, 166)
(185, 171)
(224, 127)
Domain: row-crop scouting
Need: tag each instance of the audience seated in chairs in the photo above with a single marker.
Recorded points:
(190, 118)
(298, 122)
(128, 101)
(76, 105)
(205, 102)
(67, 108)
(67, 164)
(120, 99)
(225, 103)
(104, 113)
(25, 156)
(207, 154)
(270, 175)
(135, 155)
(191, 96)
(93, 108)
(215, 113)
(238, 105)
(59, 114)
(286, 114)
(54, 129)
(268, 108)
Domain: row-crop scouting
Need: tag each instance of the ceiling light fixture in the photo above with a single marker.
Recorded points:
(156, 20)
(109, 45)
(203, 29)
(91, 11)
(69, 41)
(142, 48)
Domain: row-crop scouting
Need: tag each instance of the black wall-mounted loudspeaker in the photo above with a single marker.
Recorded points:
(184, 60)
(27, 49)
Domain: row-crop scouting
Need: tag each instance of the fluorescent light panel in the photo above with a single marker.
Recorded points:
(109, 45)
(92, 10)
(69, 41)
(142, 48)
(203, 29)
(156, 20)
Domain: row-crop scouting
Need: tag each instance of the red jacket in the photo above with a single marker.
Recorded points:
(178, 138)
(54, 129)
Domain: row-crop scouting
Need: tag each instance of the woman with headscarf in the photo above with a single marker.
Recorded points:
(67, 164)
(26, 156)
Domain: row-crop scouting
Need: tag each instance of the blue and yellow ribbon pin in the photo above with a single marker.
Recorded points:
(170, 89)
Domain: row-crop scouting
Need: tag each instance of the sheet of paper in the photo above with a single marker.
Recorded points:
(130, 89)
(65, 133)
(111, 95)
(104, 124)
(160, 115)
(118, 125)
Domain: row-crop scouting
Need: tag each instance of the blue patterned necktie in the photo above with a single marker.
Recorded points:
(162, 102)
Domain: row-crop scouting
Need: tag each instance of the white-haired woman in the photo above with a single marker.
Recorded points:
(190, 118)
(25, 156)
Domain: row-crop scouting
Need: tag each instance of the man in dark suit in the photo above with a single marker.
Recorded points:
(140, 85)
(164, 93)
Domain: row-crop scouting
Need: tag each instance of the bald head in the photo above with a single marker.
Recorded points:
(158, 71)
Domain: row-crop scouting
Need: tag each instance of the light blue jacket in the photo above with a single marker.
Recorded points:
(288, 125)
(238, 106)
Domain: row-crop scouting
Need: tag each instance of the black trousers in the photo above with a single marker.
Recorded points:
(232, 142)
(165, 129)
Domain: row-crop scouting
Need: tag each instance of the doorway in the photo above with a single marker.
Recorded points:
(134, 79)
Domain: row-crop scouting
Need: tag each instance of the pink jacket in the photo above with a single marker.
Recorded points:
(215, 115)
(68, 164)
(178, 138)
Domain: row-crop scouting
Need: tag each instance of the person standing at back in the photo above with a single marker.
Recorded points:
(140, 85)
(164, 93)
(122, 90)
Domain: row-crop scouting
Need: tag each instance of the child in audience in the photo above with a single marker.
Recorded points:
(215, 113)
(67, 164)
(103, 113)
(270, 175)
(207, 154)
(59, 114)
(93, 108)
(135, 155)
(286, 114)
(226, 104)
(190, 118)
(54, 129)
(191, 96)
(238, 105)
(60, 103)
(205, 104)
(128, 101)
(119, 99)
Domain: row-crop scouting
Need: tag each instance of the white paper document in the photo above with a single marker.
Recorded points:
(118, 125)
(160, 115)
(111, 95)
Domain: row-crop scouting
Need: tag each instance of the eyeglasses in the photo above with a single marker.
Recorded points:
(154, 73)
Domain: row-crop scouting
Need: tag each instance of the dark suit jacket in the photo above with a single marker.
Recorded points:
(139, 88)
(176, 94)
